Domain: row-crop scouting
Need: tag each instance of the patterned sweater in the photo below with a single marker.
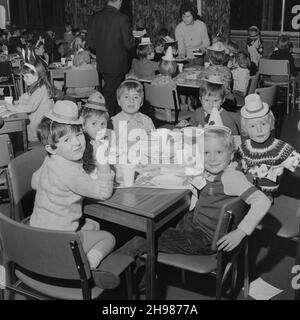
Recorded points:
(267, 161)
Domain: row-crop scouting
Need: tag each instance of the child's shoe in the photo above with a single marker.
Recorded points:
(105, 279)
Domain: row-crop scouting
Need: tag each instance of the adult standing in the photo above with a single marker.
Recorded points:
(191, 33)
(109, 34)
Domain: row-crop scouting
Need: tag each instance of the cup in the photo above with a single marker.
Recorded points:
(128, 172)
(206, 64)
(70, 63)
(180, 67)
(8, 100)
(63, 61)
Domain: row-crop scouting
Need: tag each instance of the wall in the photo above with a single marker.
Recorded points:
(155, 14)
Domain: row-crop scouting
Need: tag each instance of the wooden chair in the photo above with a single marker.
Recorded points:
(283, 218)
(20, 171)
(6, 72)
(220, 263)
(268, 67)
(6, 154)
(267, 94)
(164, 99)
(52, 264)
(253, 82)
(76, 79)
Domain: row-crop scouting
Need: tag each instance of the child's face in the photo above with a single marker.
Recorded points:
(130, 101)
(216, 155)
(71, 146)
(30, 79)
(259, 129)
(151, 56)
(94, 124)
(211, 101)
(40, 51)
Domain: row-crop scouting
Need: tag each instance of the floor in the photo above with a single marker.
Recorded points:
(271, 258)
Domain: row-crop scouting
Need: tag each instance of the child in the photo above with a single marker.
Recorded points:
(212, 95)
(167, 68)
(40, 53)
(144, 66)
(95, 116)
(217, 58)
(130, 96)
(61, 184)
(194, 234)
(283, 53)
(37, 102)
(241, 77)
(232, 50)
(255, 48)
(261, 154)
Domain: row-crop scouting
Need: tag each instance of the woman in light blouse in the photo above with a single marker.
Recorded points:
(191, 33)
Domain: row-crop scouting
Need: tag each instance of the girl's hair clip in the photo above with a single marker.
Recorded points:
(30, 66)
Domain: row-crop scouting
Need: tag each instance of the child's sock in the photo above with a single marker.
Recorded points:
(94, 258)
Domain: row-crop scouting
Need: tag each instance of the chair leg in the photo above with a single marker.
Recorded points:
(234, 275)
(288, 100)
(297, 262)
(219, 278)
(246, 271)
(128, 276)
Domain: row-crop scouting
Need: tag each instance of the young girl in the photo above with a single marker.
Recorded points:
(37, 101)
(61, 184)
(144, 66)
(95, 117)
(241, 77)
(40, 53)
(255, 48)
(263, 156)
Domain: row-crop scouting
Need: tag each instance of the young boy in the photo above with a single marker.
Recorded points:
(61, 185)
(130, 96)
(261, 154)
(212, 95)
(194, 234)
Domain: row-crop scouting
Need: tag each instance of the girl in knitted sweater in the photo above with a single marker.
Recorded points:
(263, 156)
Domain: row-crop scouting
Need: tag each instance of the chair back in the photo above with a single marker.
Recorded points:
(274, 67)
(6, 69)
(161, 97)
(232, 213)
(81, 78)
(41, 253)
(6, 153)
(267, 94)
(253, 81)
(20, 171)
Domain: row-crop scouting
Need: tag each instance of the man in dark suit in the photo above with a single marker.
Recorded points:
(109, 34)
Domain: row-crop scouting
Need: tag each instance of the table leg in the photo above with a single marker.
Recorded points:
(24, 136)
(151, 261)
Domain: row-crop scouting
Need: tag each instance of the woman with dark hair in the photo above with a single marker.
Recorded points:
(191, 33)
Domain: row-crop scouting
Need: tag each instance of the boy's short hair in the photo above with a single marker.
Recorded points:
(269, 117)
(283, 42)
(82, 57)
(88, 112)
(221, 134)
(130, 84)
(143, 50)
(211, 89)
(49, 132)
(243, 59)
(217, 57)
(167, 67)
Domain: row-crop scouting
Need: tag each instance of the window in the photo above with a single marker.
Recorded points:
(266, 14)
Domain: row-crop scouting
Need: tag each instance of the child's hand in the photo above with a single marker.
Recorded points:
(231, 240)
(100, 150)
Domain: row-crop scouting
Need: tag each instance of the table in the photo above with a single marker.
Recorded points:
(16, 123)
(142, 209)
(189, 78)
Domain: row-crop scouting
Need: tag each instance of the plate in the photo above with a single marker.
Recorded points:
(190, 69)
(180, 59)
(167, 180)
